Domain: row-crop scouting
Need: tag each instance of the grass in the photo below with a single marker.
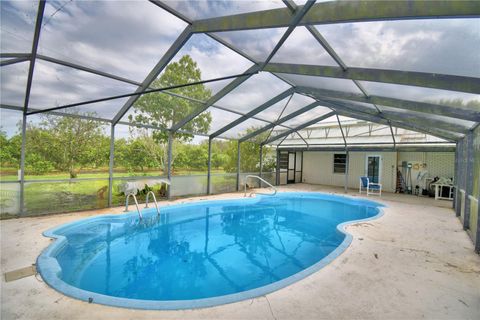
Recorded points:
(6, 175)
(66, 196)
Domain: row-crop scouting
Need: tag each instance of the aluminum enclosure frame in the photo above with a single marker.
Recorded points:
(341, 103)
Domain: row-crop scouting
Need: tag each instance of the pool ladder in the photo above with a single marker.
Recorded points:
(146, 203)
(262, 180)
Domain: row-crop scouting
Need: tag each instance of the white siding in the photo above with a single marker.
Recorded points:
(439, 164)
(318, 169)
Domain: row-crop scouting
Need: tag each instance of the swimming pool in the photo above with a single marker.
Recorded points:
(200, 254)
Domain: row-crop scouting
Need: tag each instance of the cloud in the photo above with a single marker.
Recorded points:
(302, 47)
(258, 44)
(213, 59)
(322, 82)
(13, 83)
(10, 121)
(448, 46)
(17, 26)
(415, 93)
(203, 9)
(126, 38)
(253, 92)
(282, 109)
(65, 85)
(241, 129)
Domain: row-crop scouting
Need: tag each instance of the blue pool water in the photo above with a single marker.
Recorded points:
(200, 254)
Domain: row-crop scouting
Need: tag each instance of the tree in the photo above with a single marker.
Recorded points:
(67, 143)
(163, 110)
(5, 155)
(191, 157)
(144, 153)
(249, 154)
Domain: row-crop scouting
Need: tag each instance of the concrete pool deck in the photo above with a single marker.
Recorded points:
(413, 262)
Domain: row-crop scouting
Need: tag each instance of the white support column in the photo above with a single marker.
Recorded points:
(111, 162)
(238, 166)
(169, 163)
(209, 174)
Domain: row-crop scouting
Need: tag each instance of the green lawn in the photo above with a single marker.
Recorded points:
(65, 196)
(6, 175)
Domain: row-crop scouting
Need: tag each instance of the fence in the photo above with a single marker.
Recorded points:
(68, 195)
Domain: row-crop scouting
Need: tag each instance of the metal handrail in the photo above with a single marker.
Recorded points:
(136, 204)
(262, 180)
(154, 201)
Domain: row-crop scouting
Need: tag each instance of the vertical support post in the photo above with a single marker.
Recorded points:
(22, 164)
(110, 165)
(347, 160)
(477, 242)
(261, 165)
(393, 136)
(277, 169)
(468, 179)
(169, 163)
(36, 38)
(455, 180)
(238, 166)
(301, 172)
(459, 177)
(209, 173)
(345, 186)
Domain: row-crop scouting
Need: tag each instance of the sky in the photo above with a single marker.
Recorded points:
(127, 39)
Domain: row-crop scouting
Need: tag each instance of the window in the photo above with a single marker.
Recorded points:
(339, 162)
(283, 163)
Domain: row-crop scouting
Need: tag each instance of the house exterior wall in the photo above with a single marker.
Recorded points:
(318, 167)
(439, 164)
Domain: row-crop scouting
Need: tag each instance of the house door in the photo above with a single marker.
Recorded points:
(291, 167)
(374, 166)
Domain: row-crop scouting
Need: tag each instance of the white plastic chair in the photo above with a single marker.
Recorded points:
(370, 187)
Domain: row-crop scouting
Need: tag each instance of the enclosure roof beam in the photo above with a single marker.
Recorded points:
(15, 55)
(393, 135)
(409, 78)
(293, 21)
(87, 69)
(471, 114)
(250, 114)
(300, 127)
(33, 55)
(324, 43)
(13, 61)
(299, 13)
(181, 16)
(361, 114)
(341, 12)
(280, 121)
(223, 42)
(341, 131)
(448, 136)
(170, 10)
(368, 143)
(406, 117)
(149, 126)
(134, 94)
(219, 95)
(62, 114)
(425, 148)
(159, 67)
